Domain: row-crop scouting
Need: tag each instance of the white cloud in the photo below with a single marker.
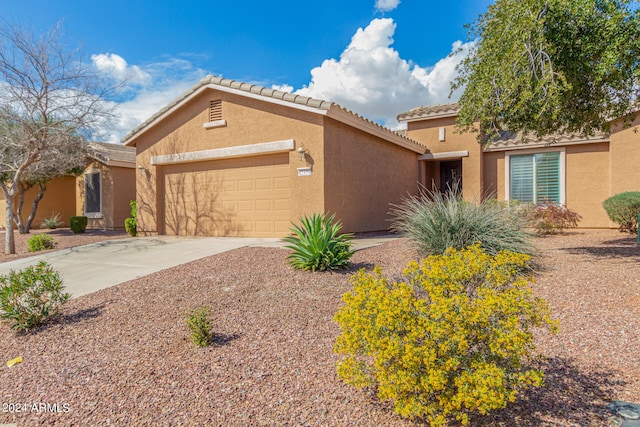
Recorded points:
(386, 5)
(372, 79)
(157, 84)
(116, 67)
(283, 88)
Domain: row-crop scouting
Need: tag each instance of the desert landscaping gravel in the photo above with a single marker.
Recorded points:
(121, 356)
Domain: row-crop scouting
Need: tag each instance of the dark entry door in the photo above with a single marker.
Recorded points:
(451, 177)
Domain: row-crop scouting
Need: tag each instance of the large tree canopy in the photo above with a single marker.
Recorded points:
(50, 99)
(544, 67)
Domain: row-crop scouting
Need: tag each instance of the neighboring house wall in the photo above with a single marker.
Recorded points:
(59, 197)
(117, 189)
(364, 175)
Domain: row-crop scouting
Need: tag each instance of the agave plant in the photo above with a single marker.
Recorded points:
(317, 244)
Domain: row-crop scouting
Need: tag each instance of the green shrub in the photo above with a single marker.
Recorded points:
(318, 245)
(52, 222)
(31, 296)
(130, 224)
(78, 224)
(455, 338)
(436, 222)
(623, 209)
(41, 242)
(200, 325)
(552, 218)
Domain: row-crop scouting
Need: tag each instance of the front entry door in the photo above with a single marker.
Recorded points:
(451, 177)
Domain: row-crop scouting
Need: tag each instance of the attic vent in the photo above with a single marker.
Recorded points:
(215, 110)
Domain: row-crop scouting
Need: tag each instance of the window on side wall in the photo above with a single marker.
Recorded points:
(536, 177)
(92, 195)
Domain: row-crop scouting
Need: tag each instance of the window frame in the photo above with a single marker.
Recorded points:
(86, 174)
(562, 166)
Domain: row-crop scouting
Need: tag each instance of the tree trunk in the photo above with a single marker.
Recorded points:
(34, 207)
(17, 216)
(9, 242)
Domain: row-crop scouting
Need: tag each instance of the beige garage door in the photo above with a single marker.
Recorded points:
(231, 197)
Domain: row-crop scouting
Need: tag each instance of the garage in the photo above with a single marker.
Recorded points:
(246, 196)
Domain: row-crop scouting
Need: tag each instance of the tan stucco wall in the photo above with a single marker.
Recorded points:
(625, 157)
(493, 174)
(585, 188)
(118, 188)
(58, 198)
(587, 174)
(248, 121)
(427, 132)
(364, 175)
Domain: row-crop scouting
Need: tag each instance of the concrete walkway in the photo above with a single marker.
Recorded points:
(92, 267)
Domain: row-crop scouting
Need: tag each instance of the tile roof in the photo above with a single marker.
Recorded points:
(430, 112)
(106, 152)
(511, 140)
(273, 94)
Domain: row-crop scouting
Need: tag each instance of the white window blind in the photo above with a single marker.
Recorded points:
(535, 178)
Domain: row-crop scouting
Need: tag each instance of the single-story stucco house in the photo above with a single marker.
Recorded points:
(235, 159)
(102, 192)
(575, 171)
(231, 158)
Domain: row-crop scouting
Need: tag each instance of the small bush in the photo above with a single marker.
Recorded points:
(552, 218)
(200, 325)
(318, 245)
(78, 224)
(130, 224)
(31, 296)
(52, 222)
(41, 242)
(623, 209)
(436, 222)
(455, 338)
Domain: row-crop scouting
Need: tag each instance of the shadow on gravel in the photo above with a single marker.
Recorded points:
(223, 339)
(570, 397)
(67, 319)
(627, 247)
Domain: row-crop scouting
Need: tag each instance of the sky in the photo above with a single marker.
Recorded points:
(378, 58)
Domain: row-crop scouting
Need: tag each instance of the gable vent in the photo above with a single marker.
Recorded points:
(215, 110)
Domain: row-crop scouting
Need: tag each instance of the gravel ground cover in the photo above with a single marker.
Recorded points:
(64, 236)
(121, 356)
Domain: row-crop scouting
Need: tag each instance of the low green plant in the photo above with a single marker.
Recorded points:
(435, 222)
(78, 224)
(41, 242)
(200, 325)
(130, 224)
(52, 222)
(453, 339)
(317, 244)
(623, 209)
(31, 296)
(553, 218)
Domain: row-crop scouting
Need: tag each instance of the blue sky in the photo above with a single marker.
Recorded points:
(376, 57)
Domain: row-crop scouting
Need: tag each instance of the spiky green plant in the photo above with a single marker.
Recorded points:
(436, 222)
(317, 244)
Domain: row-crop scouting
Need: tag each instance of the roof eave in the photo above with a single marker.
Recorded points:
(354, 121)
(129, 139)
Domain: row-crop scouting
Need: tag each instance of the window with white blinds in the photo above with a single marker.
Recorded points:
(535, 178)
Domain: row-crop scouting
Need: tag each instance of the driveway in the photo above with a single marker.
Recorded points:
(92, 267)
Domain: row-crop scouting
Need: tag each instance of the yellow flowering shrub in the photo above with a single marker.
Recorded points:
(454, 338)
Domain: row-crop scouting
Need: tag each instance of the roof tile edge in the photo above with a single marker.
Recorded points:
(260, 91)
